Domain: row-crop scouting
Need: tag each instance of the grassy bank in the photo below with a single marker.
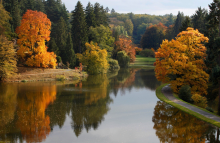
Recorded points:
(28, 74)
(162, 97)
(143, 62)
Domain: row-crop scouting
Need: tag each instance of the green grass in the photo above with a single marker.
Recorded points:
(161, 96)
(143, 61)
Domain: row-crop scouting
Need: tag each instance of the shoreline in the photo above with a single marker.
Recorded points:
(165, 94)
(27, 74)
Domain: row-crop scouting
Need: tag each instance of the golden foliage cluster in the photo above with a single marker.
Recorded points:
(34, 30)
(94, 58)
(8, 59)
(183, 60)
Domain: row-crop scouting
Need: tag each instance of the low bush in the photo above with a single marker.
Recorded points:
(147, 53)
(209, 109)
(123, 59)
(60, 78)
(113, 64)
(185, 93)
(199, 100)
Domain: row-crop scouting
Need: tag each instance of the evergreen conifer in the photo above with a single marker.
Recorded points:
(79, 28)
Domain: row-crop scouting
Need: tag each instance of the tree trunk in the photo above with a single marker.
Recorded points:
(217, 135)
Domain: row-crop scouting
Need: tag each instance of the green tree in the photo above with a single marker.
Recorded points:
(140, 31)
(79, 28)
(103, 36)
(170, 20)
(52, 10)
(7, 58)
(178, 24)
(4, 21)
(199, 19)
(100, 15)
(61, 35)
(112, 11)
(129, 26)
(52, 47)
(153, 36)
(15, 14)
(90, 16)
(26, 4)
(185, 24)
(94, 58)
(39, 6)
(70, 54)
(123, 59)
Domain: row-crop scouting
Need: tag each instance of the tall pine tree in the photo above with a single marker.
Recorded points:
(15, 14)
(199, 20)
(90, 16)
(70, 54)
(185, 24)
(79, 28)
(178, 24)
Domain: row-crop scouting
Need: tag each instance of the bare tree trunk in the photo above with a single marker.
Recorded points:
(217, 135)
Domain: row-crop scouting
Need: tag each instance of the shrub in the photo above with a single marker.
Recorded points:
(123, 59)
(209, 109)
(199, 100)
(94, 58)
(147, 53)
(58, 59)
(113, 64)
(60, 78)
(185, 93)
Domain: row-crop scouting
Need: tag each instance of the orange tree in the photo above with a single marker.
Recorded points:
(180, 62)
(125, 44)
(32, 34)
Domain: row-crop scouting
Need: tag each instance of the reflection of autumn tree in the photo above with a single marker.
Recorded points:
(149, 79)
(32, 121)
(8, 102)
(124, 80)
(89, 108)
(173, 125)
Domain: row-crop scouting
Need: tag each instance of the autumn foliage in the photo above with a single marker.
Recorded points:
(180, 62)
(32, 34)
(125, 44)
(94, 58)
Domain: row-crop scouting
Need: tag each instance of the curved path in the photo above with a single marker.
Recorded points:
(167, 91)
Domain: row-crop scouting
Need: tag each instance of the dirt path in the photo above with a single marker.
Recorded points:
(167, 91)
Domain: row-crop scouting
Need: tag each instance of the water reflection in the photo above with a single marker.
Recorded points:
(31, 111)
(173, 125)
(32, 121)
(86, 102)
(126, 79)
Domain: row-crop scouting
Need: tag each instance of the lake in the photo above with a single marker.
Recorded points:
(120, 107)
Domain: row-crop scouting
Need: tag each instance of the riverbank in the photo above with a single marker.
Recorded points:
(143, 62)
(28, 74)
(165, 94)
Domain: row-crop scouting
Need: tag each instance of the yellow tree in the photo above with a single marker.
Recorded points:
(94, 58)
(32, 34)
(180, 62)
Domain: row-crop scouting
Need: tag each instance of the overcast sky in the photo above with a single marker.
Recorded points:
(153, 7)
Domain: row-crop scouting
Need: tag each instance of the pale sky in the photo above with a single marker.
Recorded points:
(153, 7)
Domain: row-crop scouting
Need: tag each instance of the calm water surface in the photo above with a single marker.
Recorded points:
(120, 107)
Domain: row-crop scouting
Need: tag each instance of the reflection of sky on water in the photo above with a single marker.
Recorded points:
(129, 120)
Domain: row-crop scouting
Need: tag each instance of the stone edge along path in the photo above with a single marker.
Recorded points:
(167, 91)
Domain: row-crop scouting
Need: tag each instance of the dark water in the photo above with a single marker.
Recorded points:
(120, 107)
